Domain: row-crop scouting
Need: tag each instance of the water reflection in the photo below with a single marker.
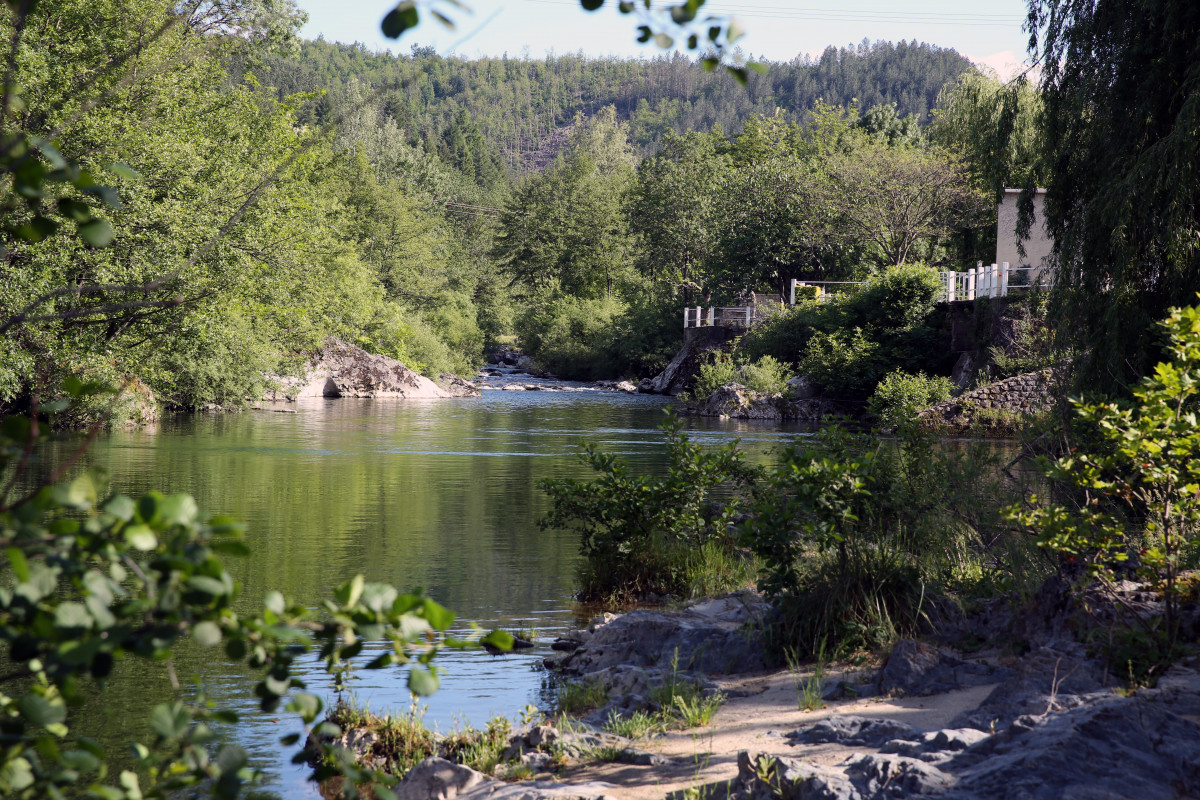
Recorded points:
(437, 494)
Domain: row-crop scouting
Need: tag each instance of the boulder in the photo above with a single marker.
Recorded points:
(456, 386)
(439, 779)
(1042, 682)
(714, 636)
(735, 400)
(916, 668)
(340, 369)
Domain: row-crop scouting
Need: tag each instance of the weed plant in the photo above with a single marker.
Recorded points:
(576, 696)
(810, 689)
(637, 725)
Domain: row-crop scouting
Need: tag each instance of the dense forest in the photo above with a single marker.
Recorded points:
(486, 114)
(265, 193)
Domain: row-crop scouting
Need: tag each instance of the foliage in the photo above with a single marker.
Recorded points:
(572, 337)
(1139, 479)
(721, 368)
(856, 533)
(995, 126)
(900, 200)
(637, 532)
(1120, 84)
(1030, 344)
(93, 578)
(899, 396)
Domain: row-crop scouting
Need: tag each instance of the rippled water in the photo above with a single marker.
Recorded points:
(434, 494)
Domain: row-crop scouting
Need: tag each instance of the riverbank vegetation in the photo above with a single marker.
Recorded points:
(273, 193)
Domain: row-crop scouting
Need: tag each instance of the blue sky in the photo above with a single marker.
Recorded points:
(779, 30)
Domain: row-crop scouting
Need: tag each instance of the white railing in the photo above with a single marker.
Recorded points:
(721, 316)
(992, 280)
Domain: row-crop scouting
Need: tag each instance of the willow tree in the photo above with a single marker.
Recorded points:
(1121, 87)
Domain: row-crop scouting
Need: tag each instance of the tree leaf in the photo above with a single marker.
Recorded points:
(170, 720)
(400, 19)
(96, 232)
(207, 633)
(40, 711)
(422, 682)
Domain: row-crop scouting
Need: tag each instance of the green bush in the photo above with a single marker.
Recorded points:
(1139, 470)
(857, 534)
(843, 364)
(766, 375)
(573, 337)
(639, 534)
(784, 335)
(899, 396)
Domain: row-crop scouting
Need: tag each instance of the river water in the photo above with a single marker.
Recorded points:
(436, 494)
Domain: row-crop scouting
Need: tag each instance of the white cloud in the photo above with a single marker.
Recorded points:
(1006, 63)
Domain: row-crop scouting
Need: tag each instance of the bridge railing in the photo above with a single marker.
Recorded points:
(993, 280)
(721, 316)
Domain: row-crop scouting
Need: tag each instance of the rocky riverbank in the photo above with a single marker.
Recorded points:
(1041, 719)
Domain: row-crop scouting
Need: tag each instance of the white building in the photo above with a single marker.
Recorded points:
(1037, 246)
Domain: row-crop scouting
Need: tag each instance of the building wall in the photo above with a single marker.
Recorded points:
(1037, 246)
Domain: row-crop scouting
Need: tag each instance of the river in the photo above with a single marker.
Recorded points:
(436, 494)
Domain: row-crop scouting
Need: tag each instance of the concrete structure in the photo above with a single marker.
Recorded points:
(1037, 246)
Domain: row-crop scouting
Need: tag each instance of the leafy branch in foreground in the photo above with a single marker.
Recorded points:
(1139, 483)
(90, 578)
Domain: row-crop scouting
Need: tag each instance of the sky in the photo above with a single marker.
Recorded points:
(986, 31)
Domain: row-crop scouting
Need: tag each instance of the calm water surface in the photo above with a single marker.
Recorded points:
(434, 494)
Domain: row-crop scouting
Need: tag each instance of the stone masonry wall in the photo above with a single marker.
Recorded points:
(1020, 394)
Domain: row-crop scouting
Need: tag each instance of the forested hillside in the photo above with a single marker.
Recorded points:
(499, 113)
(263, 194)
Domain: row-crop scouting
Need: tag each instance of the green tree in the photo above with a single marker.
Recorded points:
(565, 228)
(900, 200)
(1121, 85)
(673, 210)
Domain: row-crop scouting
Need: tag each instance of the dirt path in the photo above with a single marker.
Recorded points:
(760, 711)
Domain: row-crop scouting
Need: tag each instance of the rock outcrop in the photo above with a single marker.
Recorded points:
(1108, 747)
(339, 369)
(738, 402)
(456, 386)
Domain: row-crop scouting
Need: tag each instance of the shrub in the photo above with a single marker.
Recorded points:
(855, 533)
(720, 368)
(573, 337)
(1139, 475)
(784, 335)
(899, 396)
(842, 364)
(637, 533)
(717, 369)
(766, 375)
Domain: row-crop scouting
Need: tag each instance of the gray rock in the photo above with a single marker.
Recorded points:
(715, 636)
(879, 776)
(537, 790)
(916, 668)
(339, 369)
(1045, 680)
(736, 401)
(437, 778)
(1114, 748)
(854, 731)
(456, 386)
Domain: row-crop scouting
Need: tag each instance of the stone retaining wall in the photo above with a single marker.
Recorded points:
(1019, 395)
